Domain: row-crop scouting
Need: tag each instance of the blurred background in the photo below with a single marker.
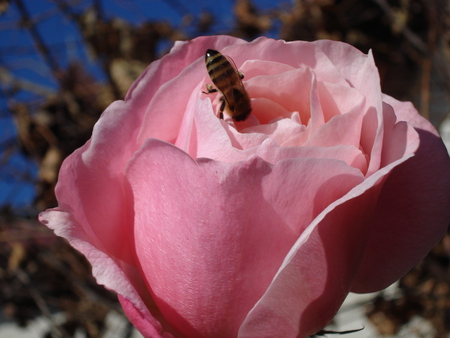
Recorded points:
(62, 62)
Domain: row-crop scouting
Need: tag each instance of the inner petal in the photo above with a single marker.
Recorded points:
(291, 90)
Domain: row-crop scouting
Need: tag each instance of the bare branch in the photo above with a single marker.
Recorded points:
(8, 79)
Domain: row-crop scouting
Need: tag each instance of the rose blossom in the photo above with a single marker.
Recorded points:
(215, 228)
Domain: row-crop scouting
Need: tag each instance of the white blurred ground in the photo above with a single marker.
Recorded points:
(116, 328)
(351, 316)
(444, 130)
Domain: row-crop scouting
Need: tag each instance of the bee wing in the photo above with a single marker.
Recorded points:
(216, 71)
(231, 61)
(235, 82)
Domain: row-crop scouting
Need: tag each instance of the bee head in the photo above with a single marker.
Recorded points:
(210, 53)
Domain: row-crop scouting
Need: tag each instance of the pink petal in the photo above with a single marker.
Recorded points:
(115, 275)
(90, 182)
(361, 72)
(278, 131)
(291, 90)
(194, 219)
(143, 321)
(323, 261)
(412, 213)
(338, 100)
(352, 156)
(268, 110)
(212, 136)
(298, 54)
(341, 129)
(252, 68)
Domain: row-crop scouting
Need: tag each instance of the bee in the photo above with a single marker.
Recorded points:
(228, 81)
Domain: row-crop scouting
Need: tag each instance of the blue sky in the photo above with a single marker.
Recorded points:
(20, 59)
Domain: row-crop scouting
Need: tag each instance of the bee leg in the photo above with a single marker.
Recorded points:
(210, 89)
(241, 75)
(221, 108)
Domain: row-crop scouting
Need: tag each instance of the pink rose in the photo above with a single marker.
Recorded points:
(215, 228)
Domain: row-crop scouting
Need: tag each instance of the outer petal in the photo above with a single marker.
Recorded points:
(113, 274)
(141, 320)
(211, 235)
(413, 211)
(318, 272)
